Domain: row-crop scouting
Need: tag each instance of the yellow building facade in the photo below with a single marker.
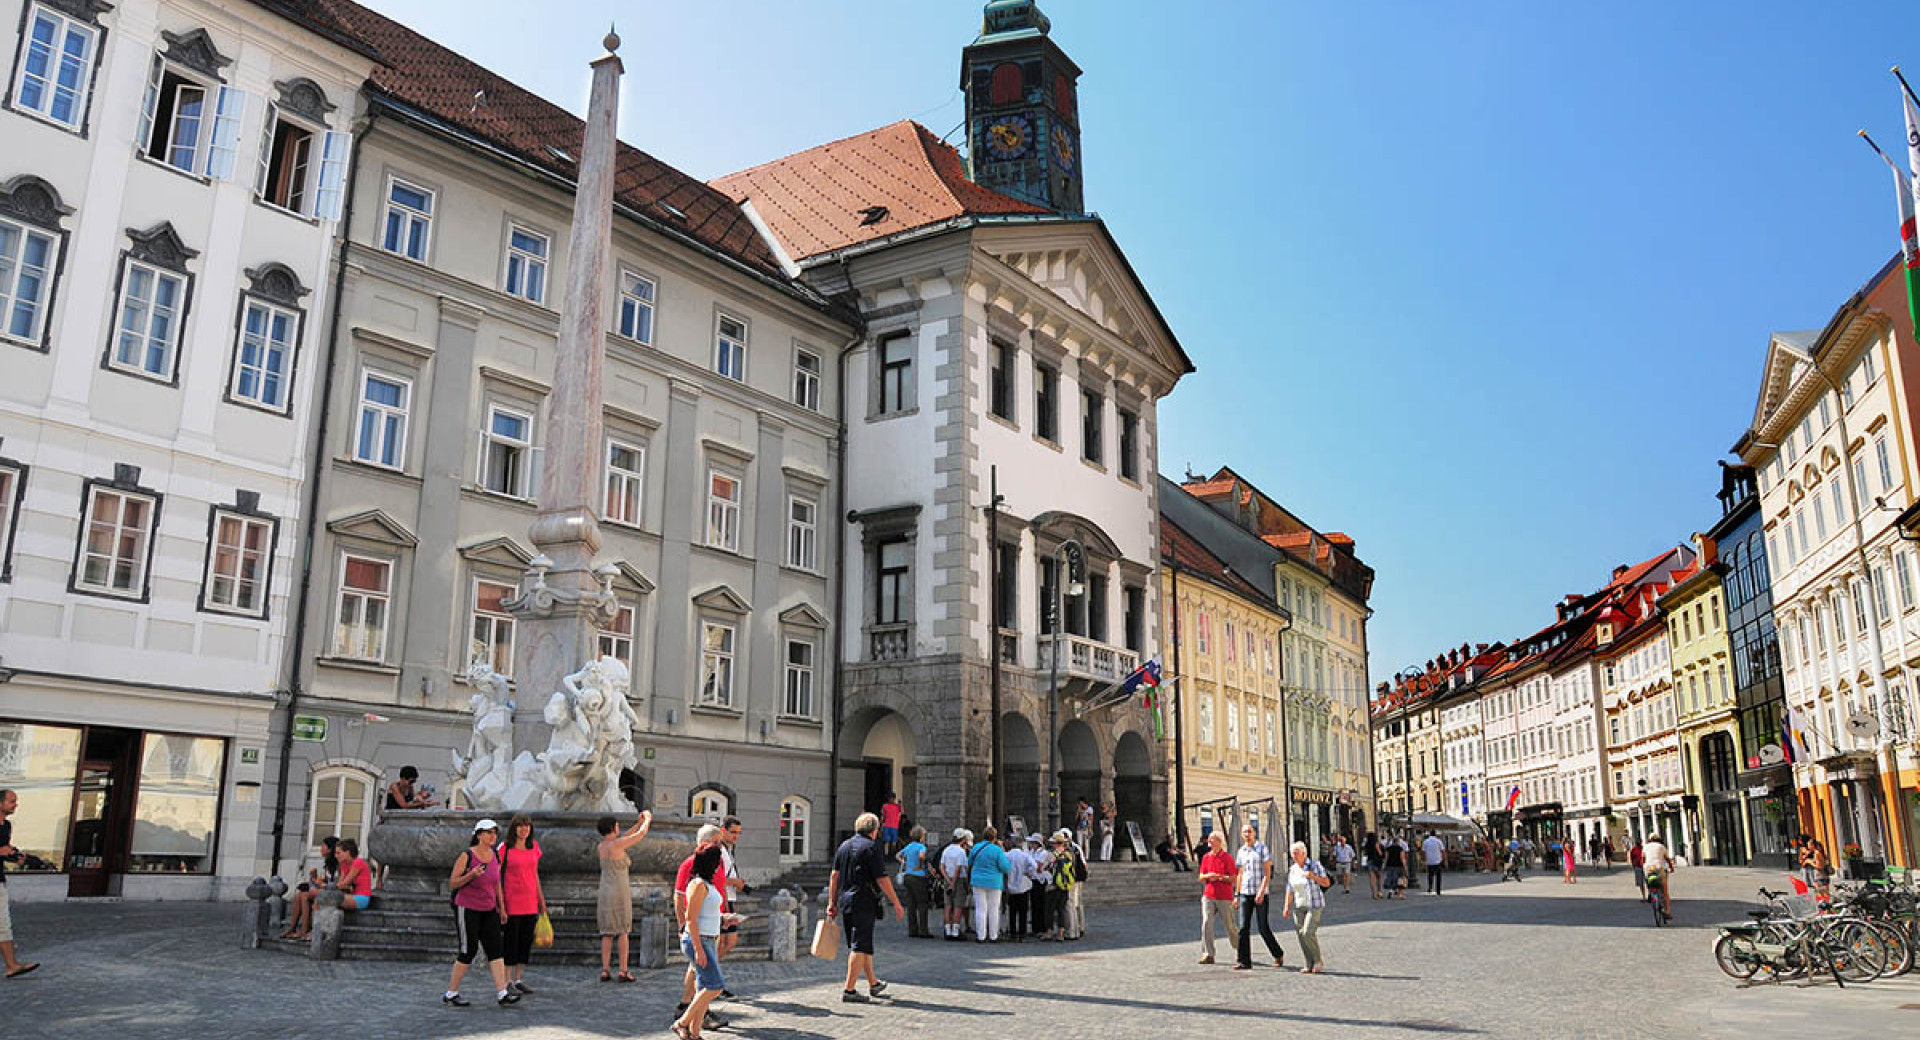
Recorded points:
(1703, 696)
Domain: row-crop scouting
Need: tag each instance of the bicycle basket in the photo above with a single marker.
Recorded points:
(1801, 908)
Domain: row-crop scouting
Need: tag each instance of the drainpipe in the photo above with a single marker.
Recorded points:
(296, 651)
(839, 580)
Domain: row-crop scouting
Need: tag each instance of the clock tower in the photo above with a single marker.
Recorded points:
(1023, 113)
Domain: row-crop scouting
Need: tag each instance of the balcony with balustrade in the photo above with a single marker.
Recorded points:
(1085, 665)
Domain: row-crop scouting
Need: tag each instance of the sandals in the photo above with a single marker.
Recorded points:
(22, 970)
(605, 975)
(682, 1032)
(625, 977)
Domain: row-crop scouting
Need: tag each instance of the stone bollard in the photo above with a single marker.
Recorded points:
(253, 917)
(328, 920)
(277, 903)
(656, 930)
(782, 930)
(802, 913)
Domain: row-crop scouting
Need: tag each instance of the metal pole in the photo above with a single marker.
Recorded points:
(998, 783)
(1179, 742)
(1053, 693)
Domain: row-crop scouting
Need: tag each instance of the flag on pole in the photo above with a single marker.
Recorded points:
(1146, 679)
(1513, 798)
(1909, 248)
(1791, 753)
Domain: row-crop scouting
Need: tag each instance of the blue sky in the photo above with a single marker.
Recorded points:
(1486, 286)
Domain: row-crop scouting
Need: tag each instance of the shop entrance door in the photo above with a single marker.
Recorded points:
(102, 803)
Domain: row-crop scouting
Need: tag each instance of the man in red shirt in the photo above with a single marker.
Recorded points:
(705, 838)
(1217, 871)
(890, 823)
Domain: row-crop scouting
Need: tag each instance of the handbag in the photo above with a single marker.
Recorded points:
(826, 939)
(543, 932)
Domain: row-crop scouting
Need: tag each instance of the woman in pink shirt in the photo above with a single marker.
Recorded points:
(520, 881)
(356, 878)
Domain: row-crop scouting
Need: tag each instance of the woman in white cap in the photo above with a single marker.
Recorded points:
(480, 909)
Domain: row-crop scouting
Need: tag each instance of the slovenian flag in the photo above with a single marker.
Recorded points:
(1146, 679)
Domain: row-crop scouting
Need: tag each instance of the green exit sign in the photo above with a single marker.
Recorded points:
(310, 727)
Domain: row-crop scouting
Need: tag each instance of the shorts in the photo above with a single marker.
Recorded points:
(709, 977)
(889, 834)
(858, 929)
(477, 930)
(6, 915)
(353, 902)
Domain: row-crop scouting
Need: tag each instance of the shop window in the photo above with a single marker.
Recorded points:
(38, 763)
(176, 817)
(342, 805)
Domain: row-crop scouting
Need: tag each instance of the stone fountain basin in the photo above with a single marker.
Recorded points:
(418, 848)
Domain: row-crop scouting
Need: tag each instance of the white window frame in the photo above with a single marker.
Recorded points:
(523, 477)
(336, 823)
(611, 642)
(806, 382)
(723, 513)
(149, 312)
(491, 632)
(267, 346)
(523, 271)
(801, 682)
(239, 555)
(730, 351)
(391, 431)
(796, 817)
(118, 531)
(14, 268)
(12, 480)
(56, 59)
(1206, 719)
(719, 664)
(356, 598)
(625, 487)
(636, 305)
(710, 804)
(215, 149)
(803, 536)
(413, 225)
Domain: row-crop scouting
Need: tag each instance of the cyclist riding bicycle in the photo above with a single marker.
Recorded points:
(1659, 872)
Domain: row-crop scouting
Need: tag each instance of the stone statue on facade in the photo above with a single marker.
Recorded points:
(485, 772)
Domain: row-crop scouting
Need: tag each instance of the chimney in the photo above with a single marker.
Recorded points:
(1622, 569)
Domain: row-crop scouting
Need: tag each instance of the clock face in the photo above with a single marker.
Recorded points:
(1009, 136)
(1063, 155)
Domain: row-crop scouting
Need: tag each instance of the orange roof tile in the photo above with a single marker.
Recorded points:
(825, 198)
(1181, 548)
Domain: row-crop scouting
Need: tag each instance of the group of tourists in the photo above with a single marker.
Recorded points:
(1389, 860)
(1236, 890)
(995, 887)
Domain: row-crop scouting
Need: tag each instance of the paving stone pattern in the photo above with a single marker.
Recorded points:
(1537, 960)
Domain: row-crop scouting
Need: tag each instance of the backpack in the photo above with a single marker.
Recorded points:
(1067, 871)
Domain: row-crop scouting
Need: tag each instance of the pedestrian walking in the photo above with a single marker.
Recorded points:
(1019, 887)
(1569, 871)
(913, 878)
(699, 937)
(732, 886)
(613, 909)
(1393, 857)
(1255, 866)
(1343, 862)
(853, 896)
(1216, 895)
(988, 870)
(953, 870)
(707, 837)
(479, 912)
(9, 804)
(1435, 853)
(1372, 857)
(526, 900)
(1307, 882)
(1637, 856)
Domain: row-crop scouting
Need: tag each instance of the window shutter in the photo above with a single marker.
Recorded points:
(223, 149)
(266, 148)
(334, 150)
(150, 105)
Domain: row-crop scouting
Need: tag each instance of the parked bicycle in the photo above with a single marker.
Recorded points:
(1797, 937)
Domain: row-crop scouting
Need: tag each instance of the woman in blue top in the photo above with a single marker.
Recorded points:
(988, 869)
(913, 876)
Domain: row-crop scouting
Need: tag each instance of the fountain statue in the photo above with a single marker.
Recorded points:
(483, 775)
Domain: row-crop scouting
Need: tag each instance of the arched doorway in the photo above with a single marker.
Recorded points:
(1020, 771)
(1133, 793)
(1080, 772)
(881, 754)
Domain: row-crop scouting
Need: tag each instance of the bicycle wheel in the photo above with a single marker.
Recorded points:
(1737, 955)
(1855, 948)
(1899, 947)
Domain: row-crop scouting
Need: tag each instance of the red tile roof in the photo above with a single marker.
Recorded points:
(1180, 548)
(825, 198)
(447, 88)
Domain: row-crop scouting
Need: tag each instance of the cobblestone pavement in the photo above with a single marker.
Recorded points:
(1538, 960)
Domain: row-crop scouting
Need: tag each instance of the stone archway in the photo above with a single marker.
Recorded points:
(1021, 769)
(1133, 792)
(880, 754)
(1079, 768)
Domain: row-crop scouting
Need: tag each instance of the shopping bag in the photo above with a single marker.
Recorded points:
(543, 932)
(826, 939)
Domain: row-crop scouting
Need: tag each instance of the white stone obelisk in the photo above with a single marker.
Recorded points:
(564, 601)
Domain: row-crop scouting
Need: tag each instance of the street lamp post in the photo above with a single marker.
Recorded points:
(1075, 561)
(1406, 677)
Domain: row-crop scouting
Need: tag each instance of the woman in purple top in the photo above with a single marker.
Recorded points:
(480, 908)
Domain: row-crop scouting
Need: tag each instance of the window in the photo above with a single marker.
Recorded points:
(626, 483)
(56, 68)
(506, 448)
(492, 640)
(794, 814)
(802, 529)
(1231, 640)
(636, 306)
(1134, 605)
(1273, 745)
(342, 807)
(896, 374)
(409, 220)
(238, 564)
(1878, 576)
(1839, 504)
(799, 699)
(1820, 516)
(1206, 719)
(1233, 726)
(723, 511)
(1253, 730)
(304, 170)
(1129, 444)
(1093, 409)
(116, 549)
(526, 263)
(360, 615)
(1903, 579)
(264, 355)
(806, 380)
(1046, 414)
(716, 664)
(177, 808)
(26, 277)
(12, 485)
(1885, 462)
(1869, 368)
(1204, 631)
(1000, 389)
(381, 438)
(150, 304)
(891, 605)
(189, 125)
(1862, 491)
(616, 640)
(710, 805)
(730, 349)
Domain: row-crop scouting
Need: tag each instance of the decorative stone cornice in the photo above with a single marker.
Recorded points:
(303, 97)
(195, 50)
(160, 245)
(29, 199)
(276, 283)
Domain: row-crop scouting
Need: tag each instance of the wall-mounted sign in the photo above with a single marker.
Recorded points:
(249, 756)
(312, 728)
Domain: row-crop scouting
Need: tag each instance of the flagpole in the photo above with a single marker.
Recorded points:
(1864, 136)
(1905, 86)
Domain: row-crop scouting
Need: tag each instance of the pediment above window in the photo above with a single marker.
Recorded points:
(88, 11)
(500, 551)
(194, 49)
(630, 579)
(723, 599)
(803, 616)
(161, 246)
(303, 97)
(276, 282)
(29, 199)
(373, 525)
